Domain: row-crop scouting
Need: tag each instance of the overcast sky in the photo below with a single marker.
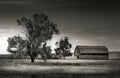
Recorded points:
(85, 22)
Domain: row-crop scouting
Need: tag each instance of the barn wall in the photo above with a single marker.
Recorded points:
(93, 57)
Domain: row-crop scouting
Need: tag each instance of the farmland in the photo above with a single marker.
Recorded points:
(23, 68)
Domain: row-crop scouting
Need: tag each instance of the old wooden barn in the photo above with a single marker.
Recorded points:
(91, 52)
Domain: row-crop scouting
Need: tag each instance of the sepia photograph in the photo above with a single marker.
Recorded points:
(59, 39)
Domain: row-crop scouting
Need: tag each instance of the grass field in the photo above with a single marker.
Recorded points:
(23, 68)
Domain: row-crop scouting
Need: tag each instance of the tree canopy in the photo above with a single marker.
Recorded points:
(64, 46)
(38, 29)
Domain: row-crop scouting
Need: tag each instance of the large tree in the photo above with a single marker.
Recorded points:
(38, 29)
(64, 46)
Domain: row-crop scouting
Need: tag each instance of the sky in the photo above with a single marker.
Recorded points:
(85, 22)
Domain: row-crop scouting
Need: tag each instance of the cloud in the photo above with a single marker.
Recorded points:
(3, 31)
(58, 2)
(13, 2)
(9, 32)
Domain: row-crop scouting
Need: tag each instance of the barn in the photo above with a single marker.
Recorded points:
(91, 52)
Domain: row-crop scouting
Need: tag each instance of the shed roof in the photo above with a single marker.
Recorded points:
(114, 52)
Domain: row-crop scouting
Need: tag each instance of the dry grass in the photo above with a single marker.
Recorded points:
(23, 68)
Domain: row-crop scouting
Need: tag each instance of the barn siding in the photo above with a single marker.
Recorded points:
(93, 57)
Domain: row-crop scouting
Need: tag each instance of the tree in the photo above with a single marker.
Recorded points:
(16, 46)
(48, 52)
(63, 47)
(45, 52)
(38, 30)
(58, 53)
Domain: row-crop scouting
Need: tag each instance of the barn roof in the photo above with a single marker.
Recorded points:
(79, 46)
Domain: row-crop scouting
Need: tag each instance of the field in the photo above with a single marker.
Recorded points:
(23, 68)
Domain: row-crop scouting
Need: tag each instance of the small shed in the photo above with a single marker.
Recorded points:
(91, 52)
(6, 56)
(114, 55)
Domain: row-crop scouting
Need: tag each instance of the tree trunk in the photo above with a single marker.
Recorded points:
(63, 57)
(78, 57)
(31, 56)
(44, 57)
(32, 59)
